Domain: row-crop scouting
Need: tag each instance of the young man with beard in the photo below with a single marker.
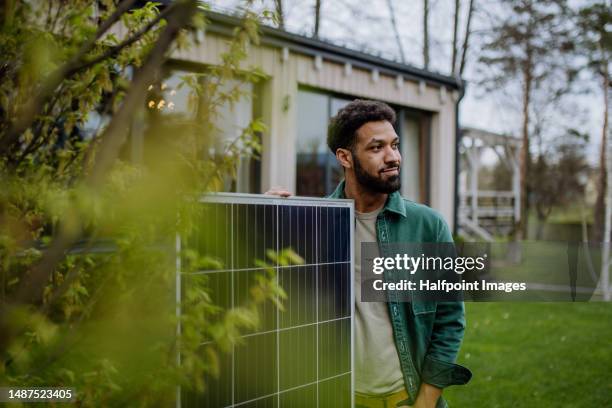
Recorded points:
(404, 352)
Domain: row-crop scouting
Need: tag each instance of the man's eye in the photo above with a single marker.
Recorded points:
(395, 146)
(375, 148)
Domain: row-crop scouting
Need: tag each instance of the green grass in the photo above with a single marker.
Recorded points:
(536, 355)
(569, 214)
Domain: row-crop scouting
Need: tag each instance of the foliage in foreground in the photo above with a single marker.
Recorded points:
(87, 238)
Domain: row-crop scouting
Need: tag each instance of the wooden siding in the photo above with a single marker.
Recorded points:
(279, 151)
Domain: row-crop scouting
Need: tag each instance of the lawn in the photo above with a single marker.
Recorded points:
(536, 355)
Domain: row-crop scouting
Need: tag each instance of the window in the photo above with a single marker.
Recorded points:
(174, 101)
(230, 122)
(318, 172)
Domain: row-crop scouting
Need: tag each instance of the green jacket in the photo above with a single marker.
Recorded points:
(427, 334)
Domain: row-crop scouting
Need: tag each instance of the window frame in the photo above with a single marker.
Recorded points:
(424, 139)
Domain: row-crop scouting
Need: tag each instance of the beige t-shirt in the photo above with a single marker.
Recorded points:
(377, 365)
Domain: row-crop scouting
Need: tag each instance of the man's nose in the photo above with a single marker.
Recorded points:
(392, 155)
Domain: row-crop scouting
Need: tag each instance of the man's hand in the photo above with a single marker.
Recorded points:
(278, 191)
(428, 396)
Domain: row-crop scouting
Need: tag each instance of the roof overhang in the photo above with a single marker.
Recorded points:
(224, 24)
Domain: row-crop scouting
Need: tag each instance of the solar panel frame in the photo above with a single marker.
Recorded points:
(255, 199)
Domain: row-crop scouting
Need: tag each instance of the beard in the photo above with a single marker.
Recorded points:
(376, 183)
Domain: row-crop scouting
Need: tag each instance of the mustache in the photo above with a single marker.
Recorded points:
(395, 166)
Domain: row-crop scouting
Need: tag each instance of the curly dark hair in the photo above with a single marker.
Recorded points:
(342, 127)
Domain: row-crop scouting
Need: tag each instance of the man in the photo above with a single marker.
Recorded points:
(404, 352)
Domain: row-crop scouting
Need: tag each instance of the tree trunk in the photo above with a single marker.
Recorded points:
(540, 229)
(395, 31)
(426, 34)
(317, 18)
(467, 37)
(453, 69)
(602, 181)
(522, 228)
(279, 14)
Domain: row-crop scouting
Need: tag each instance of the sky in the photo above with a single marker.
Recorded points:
(365, 25)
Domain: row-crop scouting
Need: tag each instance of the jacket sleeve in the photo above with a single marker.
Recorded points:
(439, 368)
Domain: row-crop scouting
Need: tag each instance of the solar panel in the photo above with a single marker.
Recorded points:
(299, 357)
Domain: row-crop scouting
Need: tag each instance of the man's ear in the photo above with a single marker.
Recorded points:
(345, 158)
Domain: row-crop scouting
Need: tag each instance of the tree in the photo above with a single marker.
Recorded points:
(87, 239)
(280, 15)
(426, 34)
(453, 66)
(317, 19)
(559, 175)
(466, 38)
(395, 31)
(596, 43)
(529, 46)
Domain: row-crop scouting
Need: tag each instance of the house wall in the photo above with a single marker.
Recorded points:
(288, 70)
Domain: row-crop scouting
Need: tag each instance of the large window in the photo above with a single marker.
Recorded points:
(230, 122)
(173, 101)
(318, 171)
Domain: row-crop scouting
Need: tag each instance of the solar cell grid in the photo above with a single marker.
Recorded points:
(302, 356)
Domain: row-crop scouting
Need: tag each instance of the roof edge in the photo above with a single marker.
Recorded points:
(222, 24)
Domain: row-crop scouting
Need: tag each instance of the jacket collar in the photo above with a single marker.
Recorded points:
(394, 203)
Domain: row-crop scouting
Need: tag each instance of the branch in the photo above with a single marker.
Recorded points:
(112, 138)
(111, 52)
(395, 31)
(426, 34)
(317, 18)
(33, 108)
(466, 38)
(278, 5)
(114, 135)
(108, 23)
(453, 69)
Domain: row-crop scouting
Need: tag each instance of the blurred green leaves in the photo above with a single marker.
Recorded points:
(105, 321)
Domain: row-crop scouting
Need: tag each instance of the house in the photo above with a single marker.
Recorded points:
(308, 80)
